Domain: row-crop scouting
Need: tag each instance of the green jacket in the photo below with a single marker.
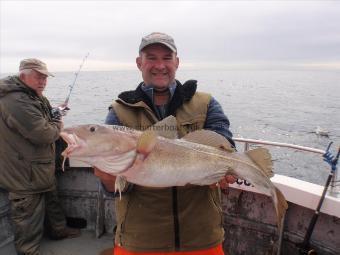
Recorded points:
(168, 219)
(27, 136)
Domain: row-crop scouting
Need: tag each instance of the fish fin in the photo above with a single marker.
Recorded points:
(281, 207)
(209, 138)
(115, 164)
(120, 185)
(146, 142)
(262, 158)
(166, 128)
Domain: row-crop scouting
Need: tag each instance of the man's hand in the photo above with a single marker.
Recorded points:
(224, 183)
(59, 111)
(63, 108)
(108, 180)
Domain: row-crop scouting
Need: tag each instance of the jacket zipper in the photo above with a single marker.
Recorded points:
(175, 216)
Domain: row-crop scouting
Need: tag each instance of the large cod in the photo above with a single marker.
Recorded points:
(156, 158)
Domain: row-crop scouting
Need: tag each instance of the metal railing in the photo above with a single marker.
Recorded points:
(335, 183)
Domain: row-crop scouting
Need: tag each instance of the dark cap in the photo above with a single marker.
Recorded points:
(157, 37)
(34, 64)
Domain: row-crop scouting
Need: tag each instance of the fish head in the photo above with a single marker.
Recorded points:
(97, 140)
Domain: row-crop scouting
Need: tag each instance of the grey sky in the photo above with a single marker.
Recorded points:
(229, 34)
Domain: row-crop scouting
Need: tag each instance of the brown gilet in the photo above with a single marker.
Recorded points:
(175, 218)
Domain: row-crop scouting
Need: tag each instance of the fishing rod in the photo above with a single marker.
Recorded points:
(61, 110)
(75, 79)
(304, 247)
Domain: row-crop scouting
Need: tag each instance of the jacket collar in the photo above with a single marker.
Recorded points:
(183, 93)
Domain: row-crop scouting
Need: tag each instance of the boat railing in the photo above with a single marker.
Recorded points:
(335, 183)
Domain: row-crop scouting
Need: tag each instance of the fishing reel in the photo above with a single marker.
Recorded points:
(58, 112)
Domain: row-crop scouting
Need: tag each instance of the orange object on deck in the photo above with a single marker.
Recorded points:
(218, 250)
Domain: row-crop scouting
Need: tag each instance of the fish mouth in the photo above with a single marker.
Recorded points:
(73, 142)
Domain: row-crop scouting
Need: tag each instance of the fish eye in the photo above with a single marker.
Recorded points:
(92, 129)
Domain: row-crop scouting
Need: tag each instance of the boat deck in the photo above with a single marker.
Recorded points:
(86, 244)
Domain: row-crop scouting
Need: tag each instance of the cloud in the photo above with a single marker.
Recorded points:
(225, 32)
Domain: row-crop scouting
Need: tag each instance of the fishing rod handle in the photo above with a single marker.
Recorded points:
(305, 243)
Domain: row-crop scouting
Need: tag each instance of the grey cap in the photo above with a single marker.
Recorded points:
(34, 64)
(157, 37)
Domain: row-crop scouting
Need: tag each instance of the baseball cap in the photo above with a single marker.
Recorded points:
(35, 64)
(157, 37)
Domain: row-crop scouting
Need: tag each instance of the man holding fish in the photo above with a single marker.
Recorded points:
(167, 151)
(174, 219)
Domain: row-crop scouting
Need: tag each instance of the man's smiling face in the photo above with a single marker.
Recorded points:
(158, 65)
